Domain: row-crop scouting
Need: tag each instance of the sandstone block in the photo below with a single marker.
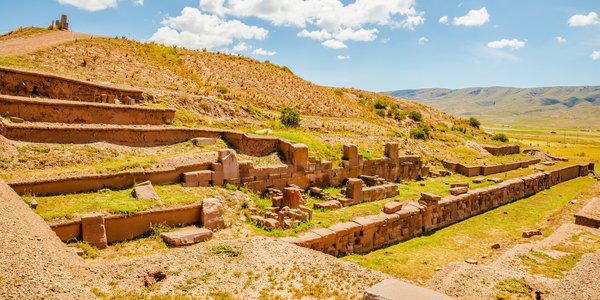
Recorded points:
(228, 158)
(271, 223)
(460, 184)
(145, 192)
(16, 120)
(333, 204)
(459, 190)
(392, 207)
(495, 180)
(354, 189)
(429, 197)
(93, 230)
(292, 197)
(186, 236)
(391, 151)
(212, 214)
(479, 180)
(201, 142)
(351, 155)
(531, 233)
(299, 157)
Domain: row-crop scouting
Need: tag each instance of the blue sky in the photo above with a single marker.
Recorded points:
(377, 45)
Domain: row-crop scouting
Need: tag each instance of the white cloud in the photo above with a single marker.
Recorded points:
(385, 40)
(423, 41)
(443, 20)
(241, 46)
(90, 5)
(473, 18)
(560, 39)
(584, 20)
(334, 44)
(343, 57)
(596, 55)
(324, 19)
(513, 44)
(196, 30)
(261, 51)
(138, 2)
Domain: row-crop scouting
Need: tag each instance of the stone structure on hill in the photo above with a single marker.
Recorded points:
(61, 24)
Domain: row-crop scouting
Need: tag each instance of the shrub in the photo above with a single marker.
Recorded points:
(420, 133)
(222, 90)
(474, 122)
(381, 103)
(290, 117)
(380, 112)
(459, 128)
(397, 114)
(398, 133)
(415, 115)
(500, 137)
(338, 92)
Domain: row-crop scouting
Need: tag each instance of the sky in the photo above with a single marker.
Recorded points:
(378, 45)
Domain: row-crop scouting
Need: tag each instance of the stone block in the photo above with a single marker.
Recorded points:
(187, 236)
(16, 120)
(530, 233)
(460, 184)
(330, 205)
(231, 169)
(201, 142)
(479, 180)
(93, 230)
(354, 189)
(145, 192)
(392, 207)
(351, 155)
(391, 151)
(459, 190)
(292, 198)
(299, 157)
(429, 197)
(189, 179)
(495, 180)
(212, 214)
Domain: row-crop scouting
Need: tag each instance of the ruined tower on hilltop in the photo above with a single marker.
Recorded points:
(62, 24)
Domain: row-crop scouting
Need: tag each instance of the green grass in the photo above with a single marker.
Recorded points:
(543, 264)
(417, 259)
(315, 146)
(514, 286)
(114, 202)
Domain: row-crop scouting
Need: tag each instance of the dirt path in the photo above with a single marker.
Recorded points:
(24, 45)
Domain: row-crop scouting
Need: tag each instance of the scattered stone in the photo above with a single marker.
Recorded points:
(530, 233)
(270, 223)
(445, 173)
(78, 251)
(332, 204)
(459, 190)
(292, 197)
(145, 191)
(422, 183)
(394, 289)
(16, 120)
(549, 163)
(203, 141)
(479, 180)
(429, 197)
(212, 214)
(392, 207)
(571, 202)
(495, 180)
(187, 236)
(459, 184)
(471, 261)
(33, 204)
(496, 246)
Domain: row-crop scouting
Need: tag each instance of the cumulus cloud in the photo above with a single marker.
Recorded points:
(334, 44)
(513, 44)
(560, 39)
(443, 20)
(241, 46)
(90, 5)
(584, 20)
(324, 20)
(196, 30)
(596, 55)
(343, 57)
(261, 51)
(473, 18)
(423, 41)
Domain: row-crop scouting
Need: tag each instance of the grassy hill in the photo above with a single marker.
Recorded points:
(577, 106)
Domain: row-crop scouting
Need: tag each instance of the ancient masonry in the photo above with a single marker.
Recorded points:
(431, 212)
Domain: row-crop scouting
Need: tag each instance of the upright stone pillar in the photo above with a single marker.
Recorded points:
(391, 151)
(231, 168)
(93, 230)
(351, 155)
(354, 190)
(299, 157)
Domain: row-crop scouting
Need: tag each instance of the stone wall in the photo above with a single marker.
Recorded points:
(364, 234)
(61, 111)
(477, 170)
(589, 215)
(34, 84)
(502, 150)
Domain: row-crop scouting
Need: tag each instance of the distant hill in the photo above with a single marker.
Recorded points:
(577, 106)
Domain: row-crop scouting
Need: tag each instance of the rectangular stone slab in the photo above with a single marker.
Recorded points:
(188, 236)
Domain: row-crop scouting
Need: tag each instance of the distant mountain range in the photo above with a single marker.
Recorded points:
(577, 106)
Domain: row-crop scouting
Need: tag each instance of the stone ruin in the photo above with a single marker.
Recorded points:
(61, 24)
(365, 188)
(288, 209)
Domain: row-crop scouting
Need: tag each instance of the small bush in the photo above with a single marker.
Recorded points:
(420, 133)
(459, 128)
(231, 187)
(474, 122)
(290, 117)
(380, 112)
(398, 133)
(397, 114)
(381, 103)
(222, 90)
(338, 92)
(415, 115)
(500, 137)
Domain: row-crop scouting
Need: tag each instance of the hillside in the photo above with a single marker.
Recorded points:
(566, 106)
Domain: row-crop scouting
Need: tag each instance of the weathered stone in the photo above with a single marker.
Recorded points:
(429, 197)
(459, 184)
(186, 236)
(391, 151)
(495, 180)
(145, 191)
(200, 141)
(292, 197)
(394, 289)
(459, 190)
(231, 169)
(351, 155)
(479, 180)
(530, 233)
(33, 204)
(471, 261)
(333, 204)
(496, 246)
(93, 230)
(392, 207)
(16, 120)
(271, 223)
(299, 157)
(264, 131)
(354, 189)
(212, 214)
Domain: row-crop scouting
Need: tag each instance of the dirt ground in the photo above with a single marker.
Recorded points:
(24, 45)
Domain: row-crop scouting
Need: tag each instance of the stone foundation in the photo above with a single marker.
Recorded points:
(502, 150)
(477, 170)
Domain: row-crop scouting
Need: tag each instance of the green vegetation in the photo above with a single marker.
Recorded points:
(228, 250)
(500, 137)
(416, 259)
(315, 147)
(420, 132)
(415, 115)
(290, 117)
(459, 128)
(513, 286)
(542, 263)
(474, 122)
